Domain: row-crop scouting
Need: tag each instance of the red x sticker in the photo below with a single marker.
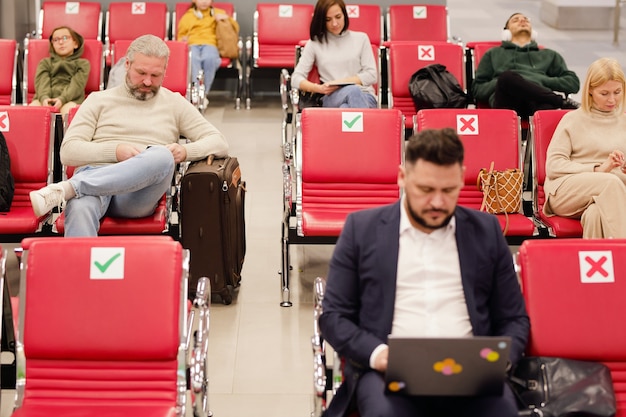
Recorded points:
(467, 124)
(139, 8)
(4, 121)
(425, 52)
(596, 266)
(353, 10)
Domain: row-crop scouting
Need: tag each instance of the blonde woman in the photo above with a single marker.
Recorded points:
(585, 166)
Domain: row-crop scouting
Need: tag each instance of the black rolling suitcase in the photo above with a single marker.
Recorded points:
(212, 224)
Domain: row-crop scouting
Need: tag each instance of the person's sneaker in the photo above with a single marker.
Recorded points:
(568, 103)
(47, 198)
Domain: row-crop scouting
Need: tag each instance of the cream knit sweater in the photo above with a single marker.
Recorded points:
(581, 141)
(108, 118)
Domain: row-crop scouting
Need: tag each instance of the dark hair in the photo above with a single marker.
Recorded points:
(506, 24)
(439, 146)
(318, 31)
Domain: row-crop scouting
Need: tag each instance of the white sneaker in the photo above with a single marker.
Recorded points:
(47, 198)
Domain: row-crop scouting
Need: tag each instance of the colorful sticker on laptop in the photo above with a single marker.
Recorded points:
(396, 386)
(448, 366)
(489, 355)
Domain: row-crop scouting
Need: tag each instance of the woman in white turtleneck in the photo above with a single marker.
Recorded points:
(585, 166)
(344, 59)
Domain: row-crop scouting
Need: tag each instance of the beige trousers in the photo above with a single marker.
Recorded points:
(598, 198)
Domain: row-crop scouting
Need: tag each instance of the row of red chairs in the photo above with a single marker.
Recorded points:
(125, 22)
(573, 289)
(277, 29)
(177, 77)
(124, 19)
(403, 59)
(322, 185)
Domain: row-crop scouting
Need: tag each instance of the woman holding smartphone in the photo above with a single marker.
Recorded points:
(344, 59)
(585, 165)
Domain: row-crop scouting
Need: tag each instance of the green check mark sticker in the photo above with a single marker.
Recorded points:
(419, 12)
(351, 121)
(72, 7)
(285, 10)
(107, 263)
(105, 266)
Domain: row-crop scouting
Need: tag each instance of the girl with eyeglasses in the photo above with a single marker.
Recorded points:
(61, 78)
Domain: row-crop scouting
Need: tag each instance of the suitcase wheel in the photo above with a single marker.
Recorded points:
(227, 298)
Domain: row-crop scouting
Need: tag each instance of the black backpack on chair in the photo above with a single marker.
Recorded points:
(434, 87)
(7, 185)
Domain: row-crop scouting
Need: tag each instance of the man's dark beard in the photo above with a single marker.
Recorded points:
(420, 220)
(141, 95)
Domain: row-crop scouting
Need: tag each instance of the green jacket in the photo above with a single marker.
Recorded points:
(64, 78)
(542, 66)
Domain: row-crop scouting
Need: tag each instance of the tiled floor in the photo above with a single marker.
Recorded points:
(260, 352)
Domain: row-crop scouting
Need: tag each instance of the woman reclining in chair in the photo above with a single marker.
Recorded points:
(344, 60)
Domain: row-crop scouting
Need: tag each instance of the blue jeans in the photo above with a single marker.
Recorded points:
(207, 58)
(131, 189)
(351, 97)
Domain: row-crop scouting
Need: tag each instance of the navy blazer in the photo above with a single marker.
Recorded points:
(361, 287)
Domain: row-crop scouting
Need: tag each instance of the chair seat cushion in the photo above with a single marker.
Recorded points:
(519, 225)
(19, 220)
(154, 224)
(562, 226)
(70, 410)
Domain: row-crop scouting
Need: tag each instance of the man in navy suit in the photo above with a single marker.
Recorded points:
(422, 267)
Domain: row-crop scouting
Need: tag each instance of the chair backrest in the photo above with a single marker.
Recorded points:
(542, 125)
(347, 160)
(37, 49)
(178, 74)
(129, 20)
(367, 18)
(29, 134)
(474, 51)
(405, 58)
(278, 28)
(417, 22)
(8, 71)
(487, 135)
(574, 296)
(83, 17)
(108, 349)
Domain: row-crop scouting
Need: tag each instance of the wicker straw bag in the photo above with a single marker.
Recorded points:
(502, 191)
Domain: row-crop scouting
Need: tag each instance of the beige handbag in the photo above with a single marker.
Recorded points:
(227, 39)
(502, 191)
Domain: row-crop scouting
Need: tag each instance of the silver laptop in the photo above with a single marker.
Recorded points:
(447, 366)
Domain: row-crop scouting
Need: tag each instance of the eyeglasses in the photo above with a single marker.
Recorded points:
(61, 39)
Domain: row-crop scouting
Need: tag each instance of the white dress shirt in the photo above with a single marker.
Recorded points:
(430, 301)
